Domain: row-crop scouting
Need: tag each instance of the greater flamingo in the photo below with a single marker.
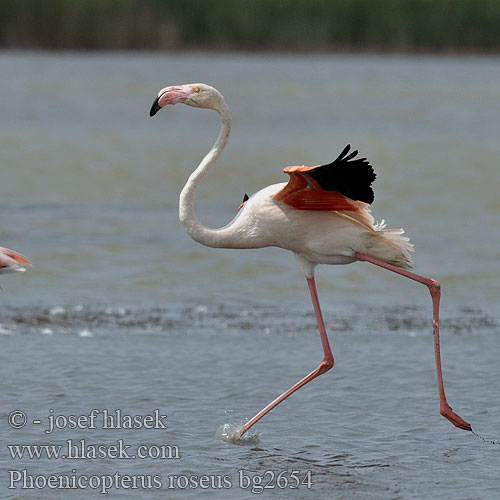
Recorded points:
(322, 215)
(11, 261)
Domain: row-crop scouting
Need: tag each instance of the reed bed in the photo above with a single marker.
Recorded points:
(280, 25)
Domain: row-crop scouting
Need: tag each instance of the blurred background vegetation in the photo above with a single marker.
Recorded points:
(281, 25)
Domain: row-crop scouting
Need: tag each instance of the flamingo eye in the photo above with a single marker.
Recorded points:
(196, 89)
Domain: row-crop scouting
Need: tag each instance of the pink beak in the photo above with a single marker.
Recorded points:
(170, 95)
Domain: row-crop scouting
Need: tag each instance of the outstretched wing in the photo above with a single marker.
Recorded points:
(331, 186)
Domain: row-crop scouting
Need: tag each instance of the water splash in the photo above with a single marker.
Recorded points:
(4, 331)
(231, 433)
(485, 439)
(57, 310)
(85, 333)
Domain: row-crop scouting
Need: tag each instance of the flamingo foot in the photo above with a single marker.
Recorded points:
(457, 421)
(233, 434)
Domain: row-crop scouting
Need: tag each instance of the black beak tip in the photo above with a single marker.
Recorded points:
(155, 107)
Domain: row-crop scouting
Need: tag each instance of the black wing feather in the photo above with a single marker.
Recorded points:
(349, 176)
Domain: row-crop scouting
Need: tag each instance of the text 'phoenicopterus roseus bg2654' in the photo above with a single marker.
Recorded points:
(11, 262)
(322, 215)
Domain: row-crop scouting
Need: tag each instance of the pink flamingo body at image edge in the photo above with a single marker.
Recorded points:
(11, 262)
(322, 215)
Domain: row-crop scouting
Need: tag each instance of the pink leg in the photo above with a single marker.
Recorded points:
(435, 289)
(323, 367)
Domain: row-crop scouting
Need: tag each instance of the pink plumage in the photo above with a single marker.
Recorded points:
(11, 261)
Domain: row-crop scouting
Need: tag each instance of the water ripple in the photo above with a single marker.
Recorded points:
(204, 319)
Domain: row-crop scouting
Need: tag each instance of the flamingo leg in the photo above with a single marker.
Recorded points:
(435, 290)
(323, 367)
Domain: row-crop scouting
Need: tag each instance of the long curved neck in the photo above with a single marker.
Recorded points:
(197, 231)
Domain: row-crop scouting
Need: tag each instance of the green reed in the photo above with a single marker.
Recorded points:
(285, 25)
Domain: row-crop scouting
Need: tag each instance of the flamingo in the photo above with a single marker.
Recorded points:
(11, 261)
(322, 215)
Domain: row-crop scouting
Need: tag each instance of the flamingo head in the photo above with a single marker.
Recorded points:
(197, 95)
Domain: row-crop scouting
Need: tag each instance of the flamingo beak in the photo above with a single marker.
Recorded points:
(171, 95)
(155, 107)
